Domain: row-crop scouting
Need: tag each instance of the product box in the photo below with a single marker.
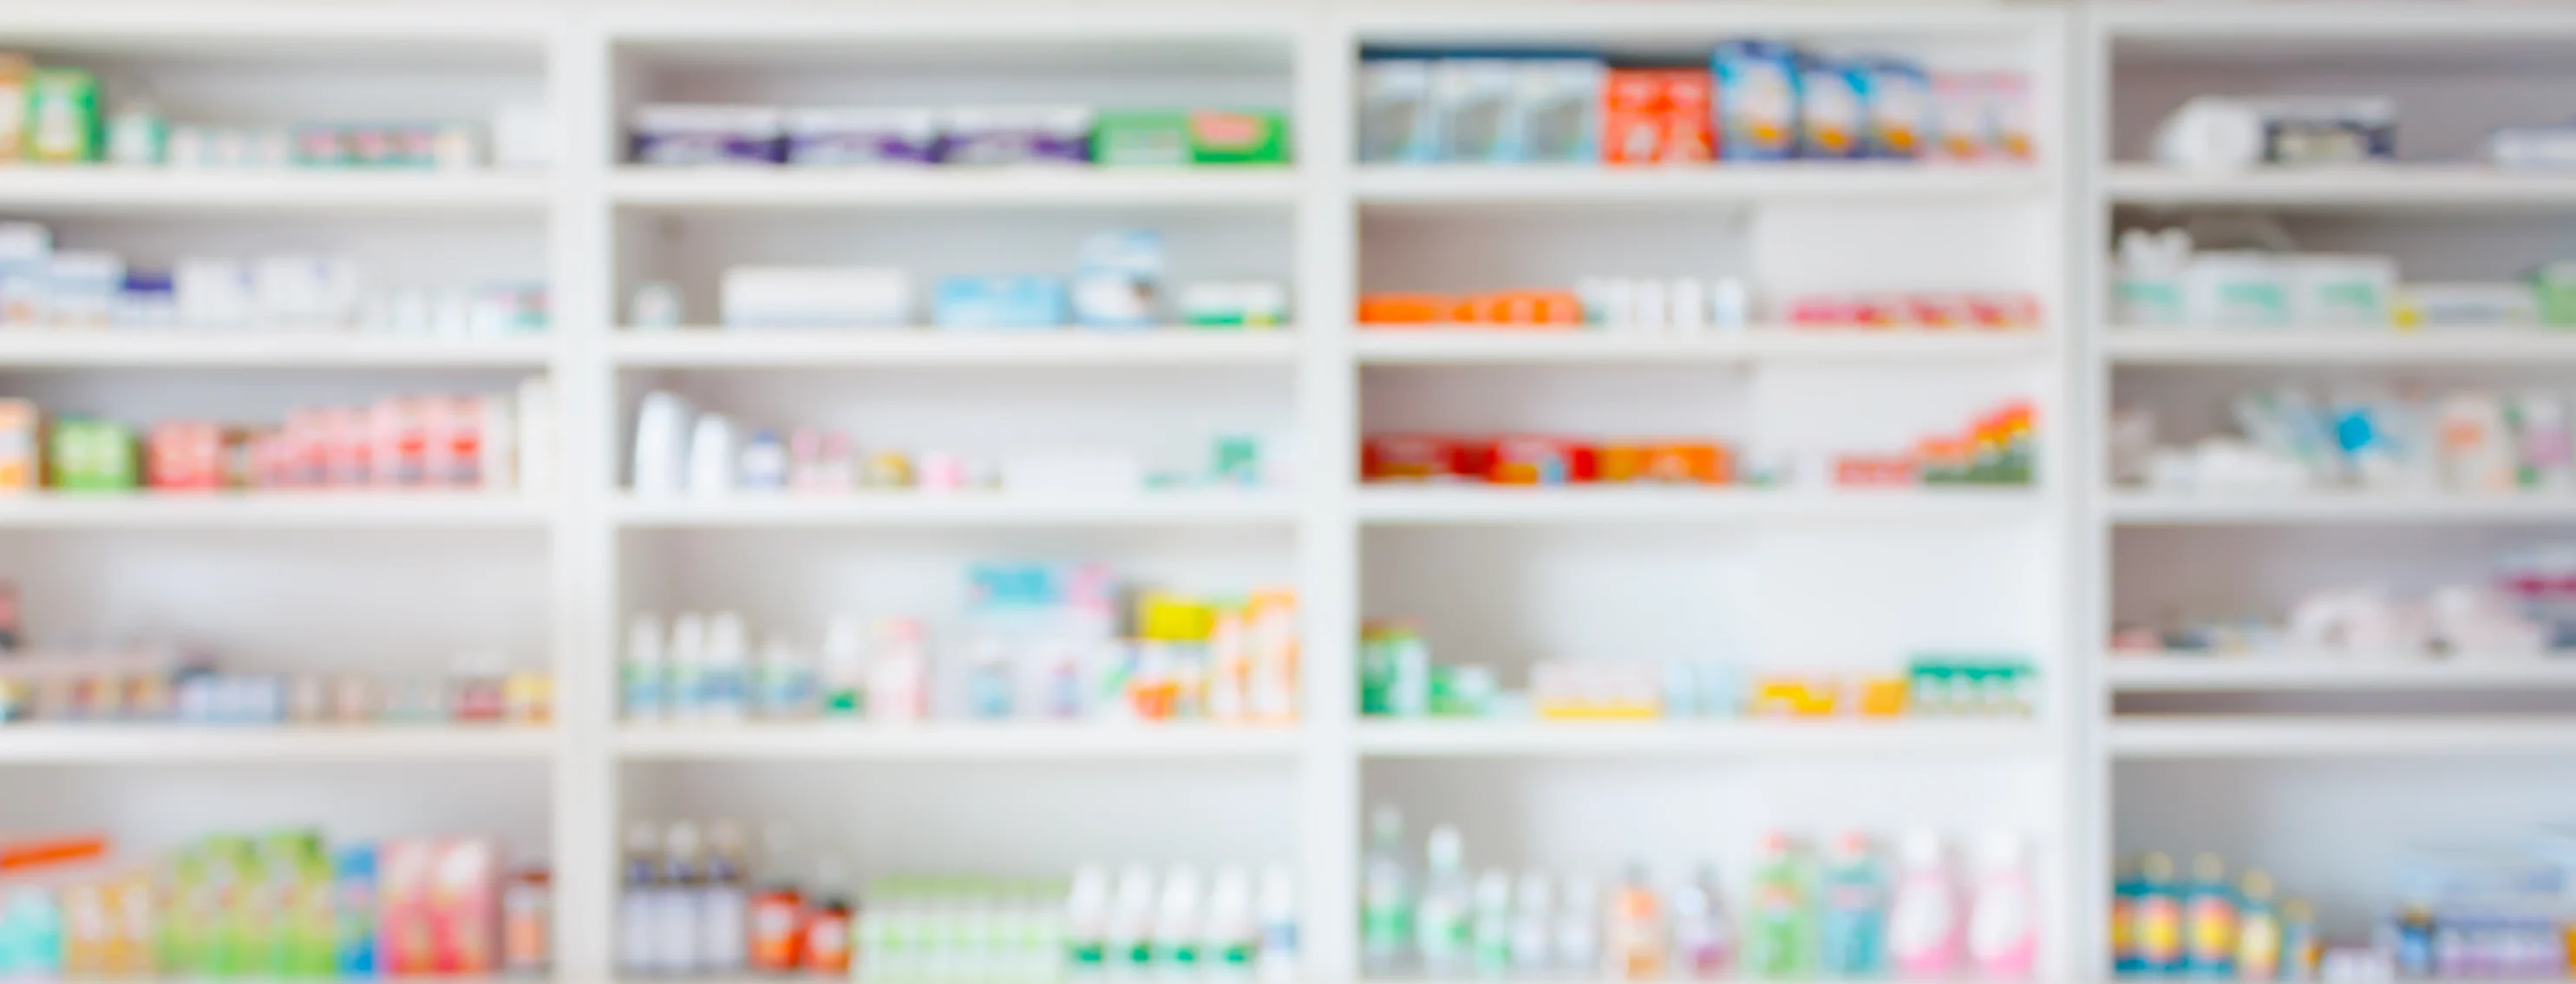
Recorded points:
(63, 120)
(1238, 136)
(700, 135)
(1397, 123)
(815, 297)
(861, 136)
(1757, 100)
(1831, 116)
(1687, 463)
(1234, 303)
(1632, 116)
(215, 293)
(90, 455)
(998, 302)
(26, 252)
(1531, 460)
(439, 913)
(996, 135)
(1118, 278)
(21, 467)
(15, 72)
(1417, 457)
(1559, 105)
(1896, 98)
(185, 455)
(81, 288)
(1141, 138)
(1476, 101)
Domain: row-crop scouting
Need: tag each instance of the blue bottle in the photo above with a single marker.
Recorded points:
(1852, 930)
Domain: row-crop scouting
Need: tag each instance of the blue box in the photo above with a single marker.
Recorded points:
(1758, 100)
(971, 303)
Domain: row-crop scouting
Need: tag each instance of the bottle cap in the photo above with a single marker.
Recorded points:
(1447, 848)
(2209, 868)
(2258, 886)
(2156, 867)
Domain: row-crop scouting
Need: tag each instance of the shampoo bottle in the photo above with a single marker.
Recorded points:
(645, 677)
(2209, 920)
(1780, 917)
(1853, 927)
(2258, 933)
(2003, 930)
(2159, 933)
(1923, 925)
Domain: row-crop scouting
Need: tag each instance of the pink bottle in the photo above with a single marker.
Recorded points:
(1923, 924)
(2003, 931)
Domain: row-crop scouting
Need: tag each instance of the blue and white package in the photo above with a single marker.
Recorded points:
(1397, 125)
(1477, 102)
(1757, 100)
(1117, 279)
(1832, 119)
(1897, 96)
(972, 303)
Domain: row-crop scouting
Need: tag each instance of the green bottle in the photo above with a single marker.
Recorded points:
(1386, 902)
(1780, 915)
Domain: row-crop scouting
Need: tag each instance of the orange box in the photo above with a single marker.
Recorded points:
(1690, 135)
(1405, 309)
(1883, 695)
(1632, 116)
(1522, 307)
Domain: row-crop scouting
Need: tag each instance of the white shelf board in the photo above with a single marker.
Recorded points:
(2414, 22)
(2156, 509)
(1426, 505)
(2260, 346)
(1644, 21)
(113, 744)
(693, 27)
(211, 348)
(2394, 186)
(771, 188)
(2199, 673)
(1537, 739)
(934, 509)
(356, 509)
(63, 190)
(2199, 736)
(1722, 183)
(1005, 741)
(1491, 346)
(720, 348)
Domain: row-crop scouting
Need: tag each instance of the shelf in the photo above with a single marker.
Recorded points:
(2413, 23)
(2288, 508)
(1572, 739)
(1643, 21)
(1426, 505)
(214, 348)
(949, 741)
(46, 191)
(1474, 346)
(190, 27)
(113, 744)
(2188, 672)
(2395, 186)
(1181, 347)
(1574, 185)
(749, 188)
(2203, 737)
(931, 509)
(2260, 346)
(273, 510)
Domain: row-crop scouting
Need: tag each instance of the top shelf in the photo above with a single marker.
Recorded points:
(1705, 184)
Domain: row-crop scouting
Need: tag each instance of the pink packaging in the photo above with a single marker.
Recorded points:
(345, 446)
(401, 443)
(452, 434)
(439, 908)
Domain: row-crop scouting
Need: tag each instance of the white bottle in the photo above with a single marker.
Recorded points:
(1086, 921)
(1578, 928)
(2003, 930)
(1730, 304)
(639, 902)
(536, 444)
(783, 686)
(1386, 901)
(1278, 962)
(1491, 933)
(1690, 305)
(686, 697)
(724, 902)
(711, 457)
(645, 678)
(1131, 924)
(1229, 937)
(675, 929)
(845, 667)
(1533, 928)
(1441, 921)
(661, 462)
(1177, 929)
(728, 671)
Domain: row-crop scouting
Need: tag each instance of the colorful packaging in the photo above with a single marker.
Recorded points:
(1832, 119)
(1897, 99)
(1141, 138)
(63, 117)
(1238, 136)
(861, 136)
(354, 895)
(1558, 105)
(1690, 463)
(15, 71)
(1532, 460)
(1118, 277)
(21, 466)
(185, 455)
(1476, 100)
(1397, 123)
(441, 907)
(1757, 100)
(1656, 116)
(93, 456)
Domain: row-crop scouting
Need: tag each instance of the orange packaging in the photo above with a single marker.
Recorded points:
(1874, 470)
(184, 455)
(18, 444)
(1632, 116)
(1683, 463)
(1405, 309)
(1689, 129)
(1406, 457)
(1521, 307)
(1532, 460)
(1791, 696)
(1882, 695)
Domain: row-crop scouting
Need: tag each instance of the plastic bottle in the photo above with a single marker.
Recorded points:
(1780, 918)
(1923, 923)
(1532, 951)
(1636, 929)
(1441, 921)
(2259, 932)
(1703, 942)
(2159, 931)
(899, 672)
(1131, 924)
(644, 679)
(1278, 959)
(685, 698)
(1578, 928)
(1177, 933)
(2209, 920)
(845, 667)
(1852, 927)
(638, 902)
(724, 901)
(778, 911)
(728, 672)
(2003, 928)
(2126, 888)
(676, 935)
(1086, 920)
(1230, 936)
(2301, 948)
(1386, 900)
(784, 688)
(827, 921)
(1492, 929)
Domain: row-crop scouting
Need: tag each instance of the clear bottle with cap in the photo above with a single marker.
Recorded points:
(1386, 898)
(638, 901)
(724, 901)
(728, 673)
(1533, 926)
(676, 935)
(1441, 921)
(1578, 928)
(1278, 962)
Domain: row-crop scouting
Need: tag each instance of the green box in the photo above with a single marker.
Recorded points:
(1238, 136)
(1141, 138)
(2553, 286)
(63, 120)
(93, 456)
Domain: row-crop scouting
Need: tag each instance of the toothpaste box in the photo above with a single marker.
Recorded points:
(1559, 104)
(683, 135)
(1831, 115)
(1476, 101)
(861, 136)
(1757, 100)
(1896, 97)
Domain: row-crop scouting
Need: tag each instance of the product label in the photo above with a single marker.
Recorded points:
(2211, 923)
(2159, 932)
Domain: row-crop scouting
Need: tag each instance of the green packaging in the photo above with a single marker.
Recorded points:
(63, 122)
(1141, 138)
(1229, 136)
(2554, 287)
(93, 456)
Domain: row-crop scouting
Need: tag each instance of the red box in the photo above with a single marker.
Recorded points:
(184, 456)
(1874, 470)
(1657, 116)
(1690, 135)
(1533, 460)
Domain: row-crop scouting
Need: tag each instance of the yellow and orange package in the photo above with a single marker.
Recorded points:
(1674, 463)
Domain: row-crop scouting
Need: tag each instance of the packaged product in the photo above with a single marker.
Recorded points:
(1757, 100)
(1397, 123)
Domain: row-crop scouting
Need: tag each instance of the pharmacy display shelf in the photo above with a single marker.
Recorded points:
(755, 511)
(274, 510)
(61, 191)
(2215, 673)
(1598, 739)
(1474, 346)
(1452, 187)
(1648, 22)
(2415, 24)
(1434, 505)
(2443, 187)
(757, 189)
(258, 25)
(2356, 346)
(2296, 736)
(940, 741)
(110, 744)
(266, 349)
(1111, 31)
(717, 348)
(2335, 507)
